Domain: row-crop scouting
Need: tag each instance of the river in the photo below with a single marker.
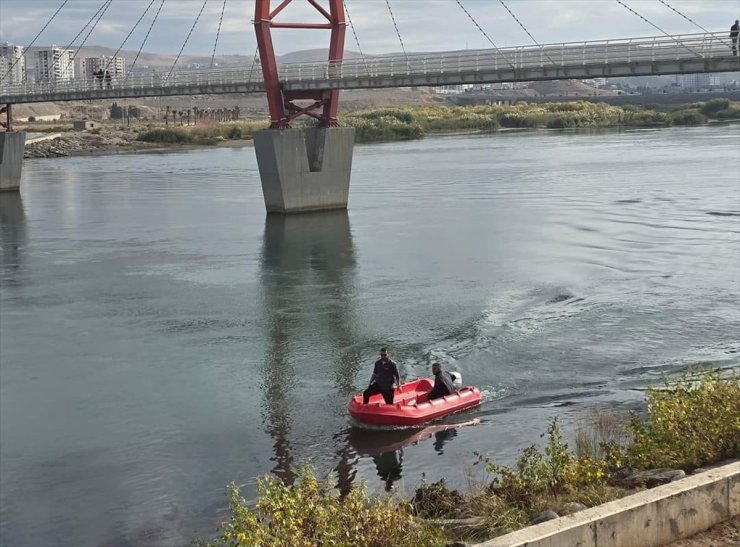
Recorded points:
(160, 336)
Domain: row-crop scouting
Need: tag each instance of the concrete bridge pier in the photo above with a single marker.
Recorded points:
(305, 169)
(12, 144)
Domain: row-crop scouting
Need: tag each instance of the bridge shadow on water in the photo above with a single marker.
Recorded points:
(307, 269)
(12, 237)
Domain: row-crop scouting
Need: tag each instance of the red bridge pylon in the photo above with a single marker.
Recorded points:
(281, 101)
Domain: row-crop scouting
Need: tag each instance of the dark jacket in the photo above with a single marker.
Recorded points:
(385, 373)
(442, 385)
(734, 30)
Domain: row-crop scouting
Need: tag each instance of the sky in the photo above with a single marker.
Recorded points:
(424, 25)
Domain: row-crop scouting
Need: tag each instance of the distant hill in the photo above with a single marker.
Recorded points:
(163, 61)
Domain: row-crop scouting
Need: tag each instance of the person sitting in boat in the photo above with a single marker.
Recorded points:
(385, 375)
(443, 382)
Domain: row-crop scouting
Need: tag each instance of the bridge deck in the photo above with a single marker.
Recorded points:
(680, 54)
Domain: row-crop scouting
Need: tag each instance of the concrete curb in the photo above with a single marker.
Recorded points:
(654, 517)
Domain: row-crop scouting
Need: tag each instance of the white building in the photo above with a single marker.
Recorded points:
(693, 81)
(116, 66)
(12, 64)
(53, 64)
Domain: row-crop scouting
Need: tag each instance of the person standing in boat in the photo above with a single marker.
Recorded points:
(443, 382)
(385, 376)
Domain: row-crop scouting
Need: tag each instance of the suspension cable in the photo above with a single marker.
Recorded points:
(104, 8)
(254, 62)
(484, 33)
(187, 38)
(657, 27)
(525, 30)
(10, 68)
(151, 3)
(83, 29)
(689, 19)
(357, 40)
(218, 32)
(131, 68)
(387, 3)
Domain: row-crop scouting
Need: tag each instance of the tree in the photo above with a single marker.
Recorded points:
(116, 112)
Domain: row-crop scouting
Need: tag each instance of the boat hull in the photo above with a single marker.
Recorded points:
(411, 406)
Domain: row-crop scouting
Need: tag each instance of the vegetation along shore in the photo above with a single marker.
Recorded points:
(386, 124)
(689, 422)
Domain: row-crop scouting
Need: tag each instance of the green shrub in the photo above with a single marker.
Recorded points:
(235, 132)
(549, 473)
(437, 501)
(646, 118)
(167, 136)
(732, 113)
(713, 106)
(311, 513)
(691, 422)
(687, 117)
(32, 118)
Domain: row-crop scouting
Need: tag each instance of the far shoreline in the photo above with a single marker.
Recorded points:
(384, 125)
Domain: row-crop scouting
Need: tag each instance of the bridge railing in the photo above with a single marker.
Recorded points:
(145, 82)
(563, 55)
(507, 63)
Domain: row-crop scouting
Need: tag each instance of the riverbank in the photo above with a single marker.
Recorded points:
(385, 124)
(691, 424)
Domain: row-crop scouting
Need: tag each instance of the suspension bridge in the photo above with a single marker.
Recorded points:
(308, 169)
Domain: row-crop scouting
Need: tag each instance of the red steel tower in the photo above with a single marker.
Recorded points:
(281, 101)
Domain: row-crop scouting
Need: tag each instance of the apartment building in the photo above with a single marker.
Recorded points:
(116, 66)
(54, 64)
(12, 64)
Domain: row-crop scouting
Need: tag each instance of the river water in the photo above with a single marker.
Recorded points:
(160, 337)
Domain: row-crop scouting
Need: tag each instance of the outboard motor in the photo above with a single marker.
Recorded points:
(456, 379)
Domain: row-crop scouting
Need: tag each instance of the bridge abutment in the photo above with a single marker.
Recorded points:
(12, 144)
(305, 169)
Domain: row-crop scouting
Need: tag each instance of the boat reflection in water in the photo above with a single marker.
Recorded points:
(385, 446)
(307, 275)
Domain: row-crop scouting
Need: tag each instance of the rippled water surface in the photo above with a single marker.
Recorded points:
(160, 337)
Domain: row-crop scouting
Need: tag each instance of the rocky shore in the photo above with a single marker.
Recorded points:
(108, 141)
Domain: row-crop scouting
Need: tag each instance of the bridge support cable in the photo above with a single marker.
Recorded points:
(187, 38)
(281, 102)
(678, 42)
(99, 14)
(10, 68)
(357, 40)
(527, 31)
(107, 66)
(151, 25)
(387, 3)
(483, 32)
(218, 32)
(83, 29)
(690, 20)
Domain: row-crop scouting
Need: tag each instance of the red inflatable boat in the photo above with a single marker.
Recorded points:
(411, 406)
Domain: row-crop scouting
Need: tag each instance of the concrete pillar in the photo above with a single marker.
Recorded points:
(305, 169)
(12, 144)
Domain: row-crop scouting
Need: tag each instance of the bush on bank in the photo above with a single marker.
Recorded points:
(414, 122)
(203, 134)
(690, 422)
(311, 513)
(391, 124)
